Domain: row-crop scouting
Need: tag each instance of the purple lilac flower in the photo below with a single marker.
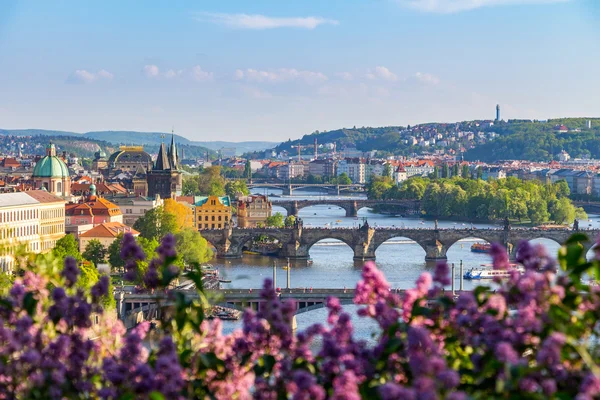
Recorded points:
(100, 288)
(442, 274)
(499, 256)
(70, 271)
(506, 353)
(167, 247)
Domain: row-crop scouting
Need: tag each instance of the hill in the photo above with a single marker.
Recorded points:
(149, 139)
(483, 140)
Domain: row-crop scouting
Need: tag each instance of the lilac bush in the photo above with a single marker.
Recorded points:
(532, 337)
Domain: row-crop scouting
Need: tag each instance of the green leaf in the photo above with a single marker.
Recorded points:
(577, 238)
(156, 396)
(29, 303)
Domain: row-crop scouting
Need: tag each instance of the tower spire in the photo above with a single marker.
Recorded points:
(173, 152)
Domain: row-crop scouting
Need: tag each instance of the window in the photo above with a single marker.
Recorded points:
(213, 226)
(219, 217)
(213, 217)
(226, 218)
(219, 226)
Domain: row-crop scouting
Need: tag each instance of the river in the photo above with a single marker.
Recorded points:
(401, 260)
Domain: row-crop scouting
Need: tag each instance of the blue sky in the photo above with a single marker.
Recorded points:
(273, 70)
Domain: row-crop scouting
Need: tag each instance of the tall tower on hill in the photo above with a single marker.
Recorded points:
(497, 112)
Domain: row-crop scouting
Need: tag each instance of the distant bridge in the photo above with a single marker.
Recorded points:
(350, 206)
(364, 242)
(288, 188)
(132, 308)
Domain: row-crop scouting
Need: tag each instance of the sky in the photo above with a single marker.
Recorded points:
(243, 70)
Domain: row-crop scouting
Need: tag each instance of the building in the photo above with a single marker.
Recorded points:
(564, 156)
(34, 220)
(105, 233)
(212, 212)
(165, 178)
(325, 168)
(353, 167)
(127, 159)
(51, 173)
(89, 212)
(290, 170)
(497, 112)
(374, 168)
(400, 175)
(253, 210)
(134, 207)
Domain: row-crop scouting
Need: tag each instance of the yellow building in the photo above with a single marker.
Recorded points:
(212, 212)
(32, 220)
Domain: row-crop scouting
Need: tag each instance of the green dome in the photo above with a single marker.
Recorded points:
(50, 167)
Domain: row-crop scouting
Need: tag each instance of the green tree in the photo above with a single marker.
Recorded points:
(6, 282)
(235, 187)
(190, 186)
(95, 252)
(275, 221)
(562, 188)
(88, 278)
(192, 248)
(455, 169)
(156, 223)
(387, 170)
(465, 173)
(67, 246)
(562, 211)
(290, 221)
(378, 186)
(445, 171)
(114, 253)
(248, 170)
(344, 179)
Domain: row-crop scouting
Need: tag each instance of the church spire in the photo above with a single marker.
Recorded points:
(162, 161)
(173, 156)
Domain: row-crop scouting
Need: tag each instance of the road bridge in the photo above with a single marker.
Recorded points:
(364, 241)
(288, 188)
(350, 206)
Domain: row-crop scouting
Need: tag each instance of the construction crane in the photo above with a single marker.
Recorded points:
(307, 146)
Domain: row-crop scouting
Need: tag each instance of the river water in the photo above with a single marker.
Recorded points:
(401, 260)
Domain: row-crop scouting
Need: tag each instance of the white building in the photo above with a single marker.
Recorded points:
(354, 168)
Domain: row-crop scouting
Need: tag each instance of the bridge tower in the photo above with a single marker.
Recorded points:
(352, 210)
(363, 247)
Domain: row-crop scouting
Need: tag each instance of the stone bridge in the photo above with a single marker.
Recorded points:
(364, 242)
(288, 188)
(350, 206)
(133, 308)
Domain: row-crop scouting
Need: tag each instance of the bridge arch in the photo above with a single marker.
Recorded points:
(399, 240)
(245, 242)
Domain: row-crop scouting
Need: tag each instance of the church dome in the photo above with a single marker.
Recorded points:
(50, 166)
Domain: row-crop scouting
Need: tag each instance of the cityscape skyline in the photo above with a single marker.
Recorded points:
(273, 71)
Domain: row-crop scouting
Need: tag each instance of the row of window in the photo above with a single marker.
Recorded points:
(210, 226)
(214, 211)
(213, 218)
(54, 213)
(18, 215)
(49, 230)
(18, 232)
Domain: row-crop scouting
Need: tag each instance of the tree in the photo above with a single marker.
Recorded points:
(211, 182)
(114, 253)
(191, 247)
(156, 223)
(290, 221)
(378, 186)
(190, 185)
(387, 170)
(562, 211)
(184, 214)
(248, 170)
(445, 171)
(95, 252)
(274, 221)
(465, 171)
(236, 187)
(67, 246)
(455, 169)
(344, 179)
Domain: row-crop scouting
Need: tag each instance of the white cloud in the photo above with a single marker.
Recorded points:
(151, 71)
(257, 21)
(452, 6)
(255, 92)
(199, 75)
(81, 76)
(426, 78)
(381, 73)
(347, 76)
(280, 75)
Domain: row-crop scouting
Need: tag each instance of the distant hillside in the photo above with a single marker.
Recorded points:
(476, 140)
(148, 139)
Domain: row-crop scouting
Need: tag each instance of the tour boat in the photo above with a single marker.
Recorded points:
(309, 261)
(338, 220)
(490, 273)
(250, 252)
(480, 247)
(225, 280)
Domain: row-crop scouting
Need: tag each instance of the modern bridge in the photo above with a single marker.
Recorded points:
(350, 206)
(364, 241)
(288, 188)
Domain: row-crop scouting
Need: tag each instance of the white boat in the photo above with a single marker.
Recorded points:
(489, 273)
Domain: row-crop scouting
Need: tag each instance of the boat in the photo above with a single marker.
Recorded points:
(481, 247)
(309, 261)
(225, 280)
(254, 253)
(338, 220)
(285, 267)
(489, 273)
